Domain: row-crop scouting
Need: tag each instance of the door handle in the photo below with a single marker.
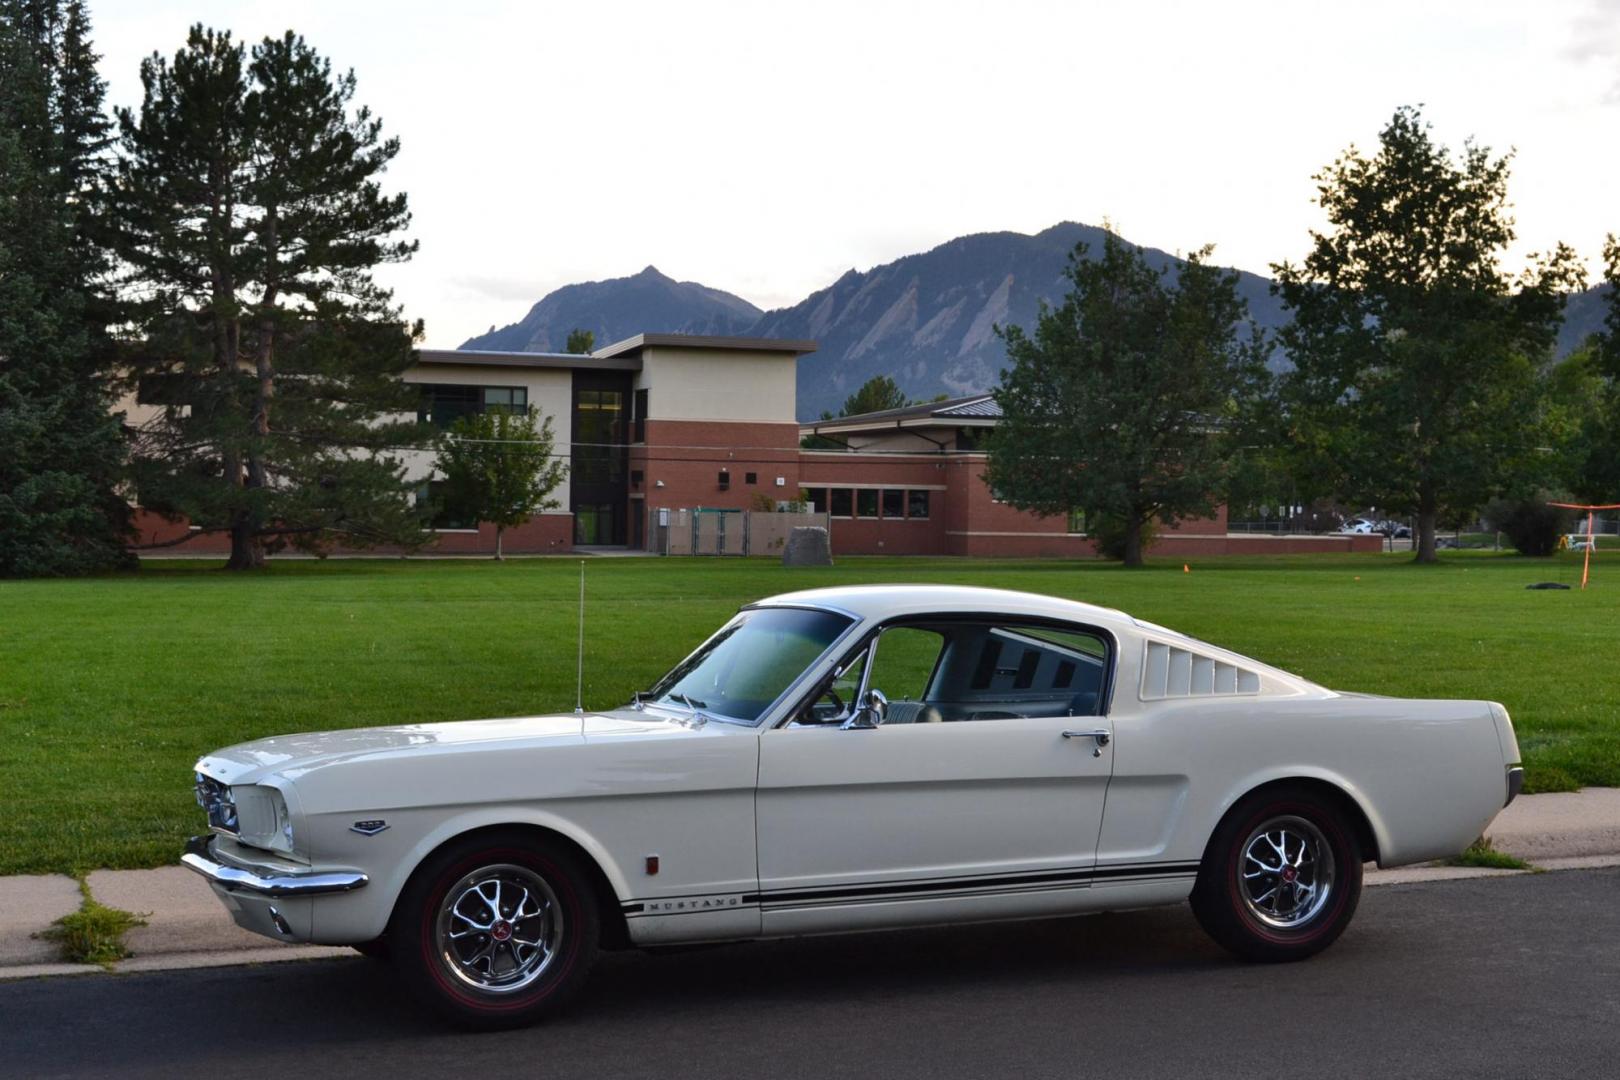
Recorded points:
(1100, 735)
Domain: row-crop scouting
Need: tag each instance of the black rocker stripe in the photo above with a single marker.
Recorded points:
(949, 893)
(1052, 877)
(888, 889)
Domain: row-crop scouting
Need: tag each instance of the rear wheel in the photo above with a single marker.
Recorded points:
(497, 930)
(1281, 878)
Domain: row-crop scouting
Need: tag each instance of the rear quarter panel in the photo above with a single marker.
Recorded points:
(1428, 775)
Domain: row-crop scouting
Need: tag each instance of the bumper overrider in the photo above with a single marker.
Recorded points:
(273, 900)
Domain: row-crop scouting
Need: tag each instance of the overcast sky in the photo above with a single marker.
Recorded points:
(765, 148)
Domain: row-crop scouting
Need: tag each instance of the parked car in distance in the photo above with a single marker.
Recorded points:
(850, 759)
(1359, 526)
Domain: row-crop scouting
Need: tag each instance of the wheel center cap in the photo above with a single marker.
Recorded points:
(1289, 874)
(501, 930)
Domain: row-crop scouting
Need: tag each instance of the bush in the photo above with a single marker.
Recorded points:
(1108, 532)
(1530, 525)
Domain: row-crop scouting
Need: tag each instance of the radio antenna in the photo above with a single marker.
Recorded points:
(579, 667)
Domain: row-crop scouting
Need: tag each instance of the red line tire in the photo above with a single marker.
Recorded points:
(1281, 877)
(497, 930)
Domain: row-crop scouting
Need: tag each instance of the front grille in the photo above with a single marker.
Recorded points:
(215, 798)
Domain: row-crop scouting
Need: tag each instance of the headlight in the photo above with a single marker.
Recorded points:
(215, 798)
(262, 818)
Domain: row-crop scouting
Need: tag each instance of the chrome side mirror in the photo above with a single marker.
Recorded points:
(870, 712)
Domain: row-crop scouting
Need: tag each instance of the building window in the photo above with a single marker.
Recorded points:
(447, 516)
(636, 476)
(866, 502)
(1077, 521)
(640, 421)
(894, 503)
(162, 389)
(750, 478)
(916, 504)
(599, 456)
(843, 502)
(970, 439)
(443, 403)
(815, 499)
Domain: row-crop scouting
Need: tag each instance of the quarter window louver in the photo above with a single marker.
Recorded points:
(1169, 672)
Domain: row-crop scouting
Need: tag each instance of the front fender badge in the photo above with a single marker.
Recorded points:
(369, 828)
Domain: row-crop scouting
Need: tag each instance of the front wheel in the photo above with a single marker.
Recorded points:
(496, 930)
(1281, 878)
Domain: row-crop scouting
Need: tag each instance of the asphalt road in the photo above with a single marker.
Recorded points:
(1512, 977)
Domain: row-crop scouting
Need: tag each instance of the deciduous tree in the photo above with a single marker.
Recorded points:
(875, 395)
(580, 342)
(1414, 353)
(498, 467)
(1118, 402)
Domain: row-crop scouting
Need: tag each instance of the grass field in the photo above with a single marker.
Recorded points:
(111, 688)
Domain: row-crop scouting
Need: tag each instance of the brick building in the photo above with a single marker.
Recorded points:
(664, 423)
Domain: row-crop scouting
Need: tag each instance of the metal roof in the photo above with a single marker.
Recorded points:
(633, 345)
(977, 410)
(491, 358)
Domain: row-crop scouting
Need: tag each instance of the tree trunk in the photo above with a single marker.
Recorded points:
(1133, 539)
(247, 551)
(499, 529)
(1428, 513)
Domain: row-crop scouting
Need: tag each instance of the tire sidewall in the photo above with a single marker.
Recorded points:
(1217, 899)
(1326, 923)
(415, 940)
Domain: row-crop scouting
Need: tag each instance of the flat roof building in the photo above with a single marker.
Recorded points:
(669, 435)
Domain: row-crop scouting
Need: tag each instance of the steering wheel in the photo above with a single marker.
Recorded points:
(838, 702)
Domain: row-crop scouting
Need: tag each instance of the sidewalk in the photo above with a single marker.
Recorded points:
(187, 927)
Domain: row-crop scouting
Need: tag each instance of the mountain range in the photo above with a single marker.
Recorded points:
(926, 320)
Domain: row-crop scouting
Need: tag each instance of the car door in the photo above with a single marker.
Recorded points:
(980, 794)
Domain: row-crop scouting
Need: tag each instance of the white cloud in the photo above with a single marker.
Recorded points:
(1595, 40)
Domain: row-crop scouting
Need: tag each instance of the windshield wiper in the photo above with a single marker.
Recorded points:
(687, 700)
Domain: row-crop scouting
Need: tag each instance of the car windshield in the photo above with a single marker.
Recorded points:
(740, 671)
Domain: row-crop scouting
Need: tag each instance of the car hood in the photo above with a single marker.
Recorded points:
(293, 755)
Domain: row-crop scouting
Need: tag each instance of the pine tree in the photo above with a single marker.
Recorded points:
(61, 448)
(251, 220)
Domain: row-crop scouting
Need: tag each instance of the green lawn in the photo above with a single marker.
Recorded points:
(111, 688)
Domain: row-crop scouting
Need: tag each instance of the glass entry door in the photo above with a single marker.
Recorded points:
(598, 479)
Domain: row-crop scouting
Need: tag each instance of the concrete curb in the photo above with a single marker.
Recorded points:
(187, 927)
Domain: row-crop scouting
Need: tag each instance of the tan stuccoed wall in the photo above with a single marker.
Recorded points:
(550, 394)
(718, 384)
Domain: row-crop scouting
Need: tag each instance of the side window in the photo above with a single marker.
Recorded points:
(905, 661)
(1006, 671)
(837, 699)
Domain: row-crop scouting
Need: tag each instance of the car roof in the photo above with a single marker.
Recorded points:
(878, 602)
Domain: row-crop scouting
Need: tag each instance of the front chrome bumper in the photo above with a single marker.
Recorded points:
(265, 880)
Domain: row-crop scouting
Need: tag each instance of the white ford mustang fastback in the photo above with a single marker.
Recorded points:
(850, 759)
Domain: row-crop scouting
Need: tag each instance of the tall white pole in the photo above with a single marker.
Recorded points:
(579, 668)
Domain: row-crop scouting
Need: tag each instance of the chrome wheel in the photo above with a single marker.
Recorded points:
(1285, 872)
(499, 928)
